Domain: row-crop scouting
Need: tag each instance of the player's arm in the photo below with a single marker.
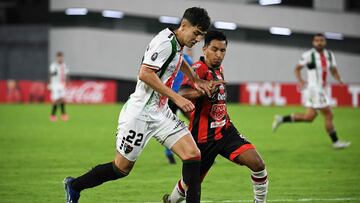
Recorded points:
(190, 93)
(148, 76)
(335, 73)
(206, 87)
(333, 69)
(302, 62)
(298, 76)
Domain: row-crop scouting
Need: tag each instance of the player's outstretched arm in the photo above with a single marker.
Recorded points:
(148, 76)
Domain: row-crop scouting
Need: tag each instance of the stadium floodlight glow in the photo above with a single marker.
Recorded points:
(334, 35)
(76, 11)
(225, 25)
(280, 31)
(112, 14)
(169, 20)
(269, 2)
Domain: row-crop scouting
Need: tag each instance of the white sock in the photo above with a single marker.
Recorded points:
(178, 193)
(260, 185)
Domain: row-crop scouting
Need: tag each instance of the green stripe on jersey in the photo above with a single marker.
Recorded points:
(166, 64)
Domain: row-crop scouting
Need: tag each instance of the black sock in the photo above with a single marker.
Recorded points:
(53, 110)
(191, 177)
(287, 119)
(333, 136)
(97, 176)
(62, 106)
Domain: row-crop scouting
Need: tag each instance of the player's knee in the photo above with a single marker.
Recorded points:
(123, 166)
(258, 165)
(309, 118)
(192, 154)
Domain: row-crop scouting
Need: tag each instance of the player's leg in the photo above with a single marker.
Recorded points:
(240, 151)
(208, 155)
(308, 116)
(254, 162)
(168, 153)
(131, 139)
(330, 129)
(101, 173)
(189, 153)
(54, 104)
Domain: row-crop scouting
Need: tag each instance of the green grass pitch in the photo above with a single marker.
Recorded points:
(36, 155)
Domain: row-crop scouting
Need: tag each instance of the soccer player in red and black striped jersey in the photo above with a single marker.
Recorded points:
(210, 124)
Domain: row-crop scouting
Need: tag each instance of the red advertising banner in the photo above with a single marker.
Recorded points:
(78, 91)
(280, 94)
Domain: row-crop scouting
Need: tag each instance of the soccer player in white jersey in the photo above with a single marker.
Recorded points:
(58, 78)
(318, 62)
(146, 114)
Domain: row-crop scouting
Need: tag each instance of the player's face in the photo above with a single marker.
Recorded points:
(60, 59)
(191, 34)
(214, 53)
(319, 43)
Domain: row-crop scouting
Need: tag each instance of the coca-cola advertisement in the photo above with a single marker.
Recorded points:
(78, 91)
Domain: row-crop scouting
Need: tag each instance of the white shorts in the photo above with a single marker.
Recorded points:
(135, 132)
(315, 98)
(57, 93)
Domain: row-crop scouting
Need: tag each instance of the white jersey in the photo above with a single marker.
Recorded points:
(164, 55)
(58, 73)
(318, 65)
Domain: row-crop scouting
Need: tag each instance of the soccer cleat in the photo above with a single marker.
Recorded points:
(53, 118)
(276, 122)
(341, 144)
(166, 198)
(64, 117)
(71, 195)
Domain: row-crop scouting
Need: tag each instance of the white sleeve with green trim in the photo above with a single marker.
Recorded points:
(305, 58)
(157, 53)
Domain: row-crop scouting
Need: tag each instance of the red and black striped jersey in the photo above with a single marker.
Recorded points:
(210, 119)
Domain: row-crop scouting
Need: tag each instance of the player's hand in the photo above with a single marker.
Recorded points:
(302, 84)
(184, 104)
(207, 87)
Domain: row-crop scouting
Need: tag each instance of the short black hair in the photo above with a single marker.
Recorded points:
(59, 53)
(214, 34)
(319, 35)
(197, 17)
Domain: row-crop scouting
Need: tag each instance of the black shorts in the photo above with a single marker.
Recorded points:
(229, 146)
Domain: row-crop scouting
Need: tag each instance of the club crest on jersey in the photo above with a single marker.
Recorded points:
(218, 111)
(128, 149)
(154, 56)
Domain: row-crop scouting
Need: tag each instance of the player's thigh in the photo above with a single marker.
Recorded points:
(132, 137)
(235, 144)
(310, 113)
(173, 133)
(185, 147)
(326, 112)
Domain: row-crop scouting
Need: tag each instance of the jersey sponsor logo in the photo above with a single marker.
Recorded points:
(218, 111)
(154, 56)
(196, 65)
(217, 124)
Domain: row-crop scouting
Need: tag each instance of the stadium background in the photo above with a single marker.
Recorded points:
(105, 41)
(104, 53)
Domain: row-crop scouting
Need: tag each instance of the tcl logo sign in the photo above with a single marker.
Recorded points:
(281, 94)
